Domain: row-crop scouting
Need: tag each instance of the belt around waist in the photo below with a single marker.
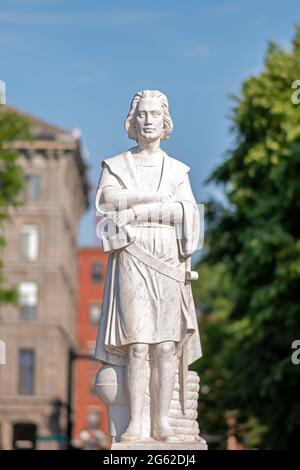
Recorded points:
(177, 274)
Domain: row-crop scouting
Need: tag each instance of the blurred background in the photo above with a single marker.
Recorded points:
(231, 71)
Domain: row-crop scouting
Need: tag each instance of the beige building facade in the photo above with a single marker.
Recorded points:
(40, 260)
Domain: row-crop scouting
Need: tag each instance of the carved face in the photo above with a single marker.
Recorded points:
(149, 119)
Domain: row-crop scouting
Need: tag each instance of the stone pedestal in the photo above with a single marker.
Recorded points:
(111, 390)
(151, 444)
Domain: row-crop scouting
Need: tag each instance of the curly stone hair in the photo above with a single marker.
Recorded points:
(130, 120)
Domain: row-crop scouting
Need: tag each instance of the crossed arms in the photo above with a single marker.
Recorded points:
(141, 205)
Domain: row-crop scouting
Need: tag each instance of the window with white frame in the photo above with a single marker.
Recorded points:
(30, 242)
(96, 272)
(28, 299)
(93, 418)
(94, 314)
(92, 348)
(32, 187)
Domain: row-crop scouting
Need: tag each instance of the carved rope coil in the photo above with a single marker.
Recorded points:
(190, 405)
(186, 426)
(177, 414)
(191, 387)
(183, 422)
(192, 377)
(187, 431)
(191, 395)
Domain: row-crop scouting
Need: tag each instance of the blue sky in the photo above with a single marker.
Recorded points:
(77, 63)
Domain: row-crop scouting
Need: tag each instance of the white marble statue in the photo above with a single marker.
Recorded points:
(148, 332)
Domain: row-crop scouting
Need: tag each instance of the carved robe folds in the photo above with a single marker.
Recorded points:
(141, 304)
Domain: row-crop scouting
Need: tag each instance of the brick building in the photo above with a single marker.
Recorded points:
(40, 260)
(89, 412)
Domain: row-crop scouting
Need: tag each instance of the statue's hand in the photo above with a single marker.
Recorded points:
(166, 197)
(124, 217)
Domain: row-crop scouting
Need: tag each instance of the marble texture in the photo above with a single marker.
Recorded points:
(154, 445)
(148, 333)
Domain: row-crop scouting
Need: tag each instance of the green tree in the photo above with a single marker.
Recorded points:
(212, 300)
(256, 237)
(13, 127)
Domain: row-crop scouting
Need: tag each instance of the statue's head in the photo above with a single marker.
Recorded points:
(149, 117)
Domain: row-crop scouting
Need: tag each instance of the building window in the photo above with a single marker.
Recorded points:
(28, 299)
(95, 314)
(29, 242)
(96, 272)
(26, 372)
(93, 419)
(92, 348)
(32, 187)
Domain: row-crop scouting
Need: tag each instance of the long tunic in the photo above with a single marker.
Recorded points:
(142, 305)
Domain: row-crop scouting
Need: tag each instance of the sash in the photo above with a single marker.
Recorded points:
(159, 265)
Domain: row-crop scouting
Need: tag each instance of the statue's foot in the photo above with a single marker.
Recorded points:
(132, 433)
(128, 437)
(163, 432)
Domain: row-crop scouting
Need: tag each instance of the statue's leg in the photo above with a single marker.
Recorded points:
(164, 362)
(136, 382)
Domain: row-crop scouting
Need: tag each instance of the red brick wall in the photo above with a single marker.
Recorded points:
(89, 292)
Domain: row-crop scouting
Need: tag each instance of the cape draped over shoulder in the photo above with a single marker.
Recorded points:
(119, 172)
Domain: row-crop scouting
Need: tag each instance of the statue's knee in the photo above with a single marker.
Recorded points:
(139, 351)
(166, 350)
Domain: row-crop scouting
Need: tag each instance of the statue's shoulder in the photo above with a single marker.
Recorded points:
(116, 162)
(177, 165)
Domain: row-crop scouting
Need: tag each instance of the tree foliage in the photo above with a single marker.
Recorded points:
(13, 127)
(255, 237)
